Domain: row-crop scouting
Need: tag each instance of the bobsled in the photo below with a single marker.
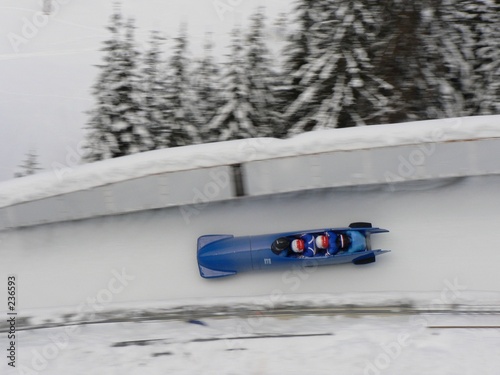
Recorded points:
(221, 255)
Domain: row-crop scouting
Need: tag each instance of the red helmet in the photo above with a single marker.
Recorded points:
(322, 242)
(298, 246)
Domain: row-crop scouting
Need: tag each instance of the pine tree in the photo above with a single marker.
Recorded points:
(484, 16)
(469, 39)
(207, 88)
(117, 124)
(451, 34)
(401, 61)
(233, 119)
(133, 96)
(155, 103)
(29, 165)
(184, 115)
(262, 80)
(341, 85)
(427, 56)
(446, 29)
(297, 55)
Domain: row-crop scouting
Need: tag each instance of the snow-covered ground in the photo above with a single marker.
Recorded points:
(315, 344)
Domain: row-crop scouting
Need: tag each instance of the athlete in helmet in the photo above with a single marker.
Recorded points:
(297, 246)
(329, 243)
(309, 245)
(322, 242)
(304, 245)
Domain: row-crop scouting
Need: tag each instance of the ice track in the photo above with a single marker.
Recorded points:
(440, 230)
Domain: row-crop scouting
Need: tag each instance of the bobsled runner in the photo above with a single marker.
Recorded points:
(222, 255)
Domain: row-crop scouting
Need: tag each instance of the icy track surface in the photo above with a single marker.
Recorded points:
(441, 232)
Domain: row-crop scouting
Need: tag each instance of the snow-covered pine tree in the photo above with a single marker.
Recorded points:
(401, 60)
(234, 119)
(484, 16)
(101, 143)
(206, 83)
(297, 54)
(133, 113)
(116, 125)
(434, 57)
(262, 80)
(184, 115)
(449, 32)
(155, 104)
(29, 166)
(448, 40)
(342, 88)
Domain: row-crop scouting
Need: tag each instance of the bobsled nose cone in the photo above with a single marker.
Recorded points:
(229, 255)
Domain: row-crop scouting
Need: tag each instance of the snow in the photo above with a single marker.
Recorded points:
(320, 344)
(69, 177)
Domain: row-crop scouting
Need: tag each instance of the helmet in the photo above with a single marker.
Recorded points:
(298, 246)
(322, 242)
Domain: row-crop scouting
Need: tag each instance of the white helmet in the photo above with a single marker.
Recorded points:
(322, 242)
(297, 246)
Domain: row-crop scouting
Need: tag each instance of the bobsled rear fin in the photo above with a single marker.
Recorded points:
(380, 251)
(375, 230)
(208, 273)
(365, 259)
(345, 229)
(369, 257)
(369, 230)
(205, 240)
(360, 224)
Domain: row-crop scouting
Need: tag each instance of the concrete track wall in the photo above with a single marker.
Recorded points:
(383, 165)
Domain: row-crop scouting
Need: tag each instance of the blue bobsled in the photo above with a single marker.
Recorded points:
(226, 255)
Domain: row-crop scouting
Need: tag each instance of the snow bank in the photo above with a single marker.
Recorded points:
(315, 304)
(390, 345)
